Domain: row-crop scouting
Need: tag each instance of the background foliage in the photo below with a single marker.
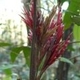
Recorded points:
(15, 57)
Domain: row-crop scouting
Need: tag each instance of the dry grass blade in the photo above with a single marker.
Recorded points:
(48, 19)
(48, 33)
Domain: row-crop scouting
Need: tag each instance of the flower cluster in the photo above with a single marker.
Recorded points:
(49, 33)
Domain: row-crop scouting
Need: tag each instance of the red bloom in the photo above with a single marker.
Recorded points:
(49, 34)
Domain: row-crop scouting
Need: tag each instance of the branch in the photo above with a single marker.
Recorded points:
(74, 42)
(33, 68)
(75, 57)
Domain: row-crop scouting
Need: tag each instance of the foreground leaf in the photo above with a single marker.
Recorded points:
(14, 53)
(27, 51)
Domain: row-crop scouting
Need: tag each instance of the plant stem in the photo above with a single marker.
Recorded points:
(74, 57)
(33, 63)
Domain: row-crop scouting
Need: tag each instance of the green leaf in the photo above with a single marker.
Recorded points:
(4, 67)
(8, 72)
(7, 69)
(76, 32)
(78, 75)
(76, 20)
(70, 47)
(65, 60)
(27, 51)
(7, 78)
(14, 53)
(71, 12)
(62, 1)
(67, 20)
(3, 44)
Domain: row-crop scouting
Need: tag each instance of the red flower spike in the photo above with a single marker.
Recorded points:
(58, 48)
(49, 34)
(28, 16)
(57, 52)
(52, 24)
